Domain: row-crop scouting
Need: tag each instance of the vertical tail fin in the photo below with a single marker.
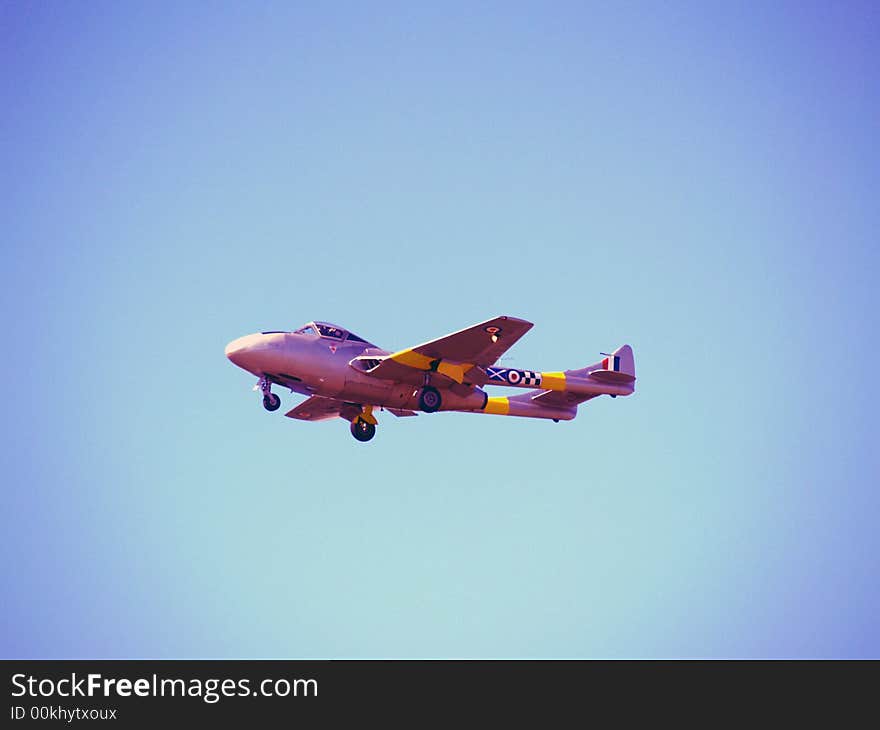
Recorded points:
(620, 361)
(617, 366)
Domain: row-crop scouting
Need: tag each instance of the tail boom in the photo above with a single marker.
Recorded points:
(615, 375)
(525, 406)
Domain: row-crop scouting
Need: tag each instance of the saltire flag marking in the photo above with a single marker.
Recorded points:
(514, 377)
(497, 374)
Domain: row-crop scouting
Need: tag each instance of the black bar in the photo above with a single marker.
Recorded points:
(245, 691)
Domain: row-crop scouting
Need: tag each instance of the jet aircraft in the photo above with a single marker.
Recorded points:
(347, 377)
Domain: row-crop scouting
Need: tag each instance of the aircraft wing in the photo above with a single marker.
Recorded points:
(455, 354)
(318, 408)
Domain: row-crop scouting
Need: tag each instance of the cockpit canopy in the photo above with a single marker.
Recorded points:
(331, 331)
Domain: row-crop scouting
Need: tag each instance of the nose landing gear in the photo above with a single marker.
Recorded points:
(271, 402)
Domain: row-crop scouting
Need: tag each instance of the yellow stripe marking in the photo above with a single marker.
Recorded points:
(368, 416)
(553, 381)
(413, 359)
(498, 405)
(453, 370)
(417, 360)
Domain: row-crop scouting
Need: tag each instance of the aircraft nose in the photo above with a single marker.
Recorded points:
(233, 349)
(256, 353)
(237, 351)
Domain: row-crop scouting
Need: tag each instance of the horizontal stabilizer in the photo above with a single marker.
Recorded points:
(612, 376)
(401, 412)
(556, 399)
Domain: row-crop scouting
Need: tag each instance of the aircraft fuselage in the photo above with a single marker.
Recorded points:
(347, 377)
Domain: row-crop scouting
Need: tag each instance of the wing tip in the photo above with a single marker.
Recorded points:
(511, 318)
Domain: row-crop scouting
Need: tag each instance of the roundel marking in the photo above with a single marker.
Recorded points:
(513, 377)
(493, 330)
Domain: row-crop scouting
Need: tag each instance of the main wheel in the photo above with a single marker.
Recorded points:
(362, 430)
(429, 399)
(271, 402)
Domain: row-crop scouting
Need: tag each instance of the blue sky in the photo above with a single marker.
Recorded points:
(699, 181)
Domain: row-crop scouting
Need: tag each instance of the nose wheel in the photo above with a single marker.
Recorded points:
(271, 402)
(362, 430)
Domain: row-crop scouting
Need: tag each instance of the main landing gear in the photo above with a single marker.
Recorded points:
(271, 401)
(429, 399)
(362, 430)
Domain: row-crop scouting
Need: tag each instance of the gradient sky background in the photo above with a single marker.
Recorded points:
(698, 180)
